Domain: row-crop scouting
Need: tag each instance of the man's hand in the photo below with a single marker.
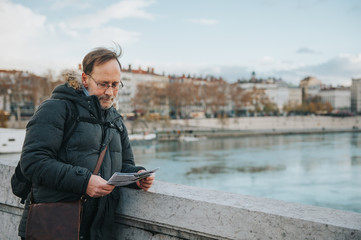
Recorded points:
(98, 187)
(145, 183)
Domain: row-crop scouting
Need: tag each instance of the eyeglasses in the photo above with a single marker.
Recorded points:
(105, 86)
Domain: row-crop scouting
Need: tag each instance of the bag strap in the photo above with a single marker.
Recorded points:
(71, 122)
(100, 161)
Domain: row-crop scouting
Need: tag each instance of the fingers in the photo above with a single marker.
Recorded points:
(98, 187)
(146, 183)
(108, 187)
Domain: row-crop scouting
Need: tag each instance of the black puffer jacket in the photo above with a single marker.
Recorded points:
(61, 171)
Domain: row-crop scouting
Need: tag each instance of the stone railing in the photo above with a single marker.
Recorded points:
(170, 212)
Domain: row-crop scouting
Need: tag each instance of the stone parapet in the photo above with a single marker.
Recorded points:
(171, 211)
(10, 207)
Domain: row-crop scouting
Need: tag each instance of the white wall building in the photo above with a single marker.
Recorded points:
(294, 96)
(277, 91)
(339, 98)
(356, 95)
(130, 79)
(279, 96)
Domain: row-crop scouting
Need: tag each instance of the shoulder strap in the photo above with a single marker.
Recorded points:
(100, 161)
(74, 119)
(71, 122)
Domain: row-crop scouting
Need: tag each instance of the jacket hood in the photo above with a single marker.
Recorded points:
(69, 93)
(73, 89)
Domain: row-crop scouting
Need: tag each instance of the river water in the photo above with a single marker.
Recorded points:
(315, 169)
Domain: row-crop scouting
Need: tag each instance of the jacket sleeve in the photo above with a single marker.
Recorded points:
(39, 158)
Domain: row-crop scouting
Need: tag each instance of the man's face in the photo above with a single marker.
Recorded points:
(105, 74)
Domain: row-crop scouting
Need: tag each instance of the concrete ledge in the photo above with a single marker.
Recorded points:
(172, 212)
(10, 207)
(192, 213)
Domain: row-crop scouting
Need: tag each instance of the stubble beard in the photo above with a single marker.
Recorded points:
(109, 101)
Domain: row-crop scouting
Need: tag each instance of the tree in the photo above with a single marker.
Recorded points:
(312, 105)
(236, 97)
(182, 96)
(174, 92)
(150, 97)
(255, 99)
(142, 98)
(213, 95)
(270, 108)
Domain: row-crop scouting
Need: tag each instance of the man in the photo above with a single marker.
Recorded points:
(62, 171)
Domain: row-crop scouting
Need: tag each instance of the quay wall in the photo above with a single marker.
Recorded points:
(281, 123)
(274, 123)
(295, 123)
(173, 212)
(176, 129)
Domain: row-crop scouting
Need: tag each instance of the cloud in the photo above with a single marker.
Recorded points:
(341, 68)
(29, 42)
(306, 50)
(79, 4)
(267, 60)
(336, 71)
(340, 65)
(229, 73)
(204, 21)
(20, 28)
(121, 10)
(18, 22)
(269, 64)
(98, 36)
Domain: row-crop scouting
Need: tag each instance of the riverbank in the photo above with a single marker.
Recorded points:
(195, 135)
(234, 127)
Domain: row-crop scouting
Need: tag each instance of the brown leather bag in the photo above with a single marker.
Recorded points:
(58, 220)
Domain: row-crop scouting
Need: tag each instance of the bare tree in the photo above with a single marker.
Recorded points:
(255, 99)
(213, 95)
(179, 97)
(143, 97)
(150, 97)
(237, 97)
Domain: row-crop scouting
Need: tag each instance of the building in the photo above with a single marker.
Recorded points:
(356, 95)
(310, 87)
(277, 91)
(131, 78)
(339, 98)
(294, 96)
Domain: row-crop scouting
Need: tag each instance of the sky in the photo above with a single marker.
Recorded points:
(287, 39)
